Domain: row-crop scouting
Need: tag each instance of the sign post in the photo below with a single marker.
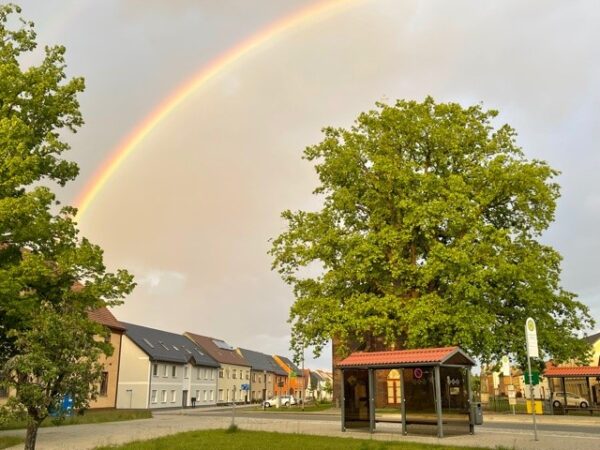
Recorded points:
(532, 352)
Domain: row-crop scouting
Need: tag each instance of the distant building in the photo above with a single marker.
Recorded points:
(264, 376)
(296, 380)
(160, 369)
(234, 371)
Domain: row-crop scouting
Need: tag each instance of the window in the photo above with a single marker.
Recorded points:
(165, 371)
(3, 392)
(206, 371)
(173, 371)
(154, 396)
(203, 374)
(197, 396)
(234, 374)
(233, 394)
(198, 373)
(104, 384)
(227, 373)
(247, 374)
(173, 396)
(205, 395)
(148, 343)
(185, 372)
(155, 370)
(212, 396)
(220, 395)
(269, 378)
(254, 377)
(163, 394)
(212, 374)
(220, 373)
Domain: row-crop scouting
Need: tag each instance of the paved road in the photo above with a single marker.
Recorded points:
(556, 433)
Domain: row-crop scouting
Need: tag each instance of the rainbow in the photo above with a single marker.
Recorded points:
(304, 16)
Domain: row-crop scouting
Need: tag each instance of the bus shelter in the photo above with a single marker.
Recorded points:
(574, 388)
(424, 390)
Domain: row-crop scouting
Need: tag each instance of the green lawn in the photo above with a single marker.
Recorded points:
(248, 440)
(91, 416)
(9, 441)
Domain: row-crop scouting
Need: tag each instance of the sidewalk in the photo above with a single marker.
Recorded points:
(80, 437)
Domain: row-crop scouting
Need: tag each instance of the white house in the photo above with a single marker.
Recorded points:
(159, 369)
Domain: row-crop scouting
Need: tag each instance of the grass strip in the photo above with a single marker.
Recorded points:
(90, 416)
(9, 441)
(259, 440)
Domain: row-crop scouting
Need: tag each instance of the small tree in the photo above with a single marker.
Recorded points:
(50, 278)
(428, 236)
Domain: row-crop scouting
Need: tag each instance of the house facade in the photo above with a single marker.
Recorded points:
(234, 372)
(296, 381)
(265, 374)
(159, 369)
(107, 390)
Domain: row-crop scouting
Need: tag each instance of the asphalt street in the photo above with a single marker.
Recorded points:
(555, 432)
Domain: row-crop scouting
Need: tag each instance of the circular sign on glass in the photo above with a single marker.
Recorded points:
(418, 373)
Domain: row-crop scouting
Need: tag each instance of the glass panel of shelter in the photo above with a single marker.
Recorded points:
(419, 392)
(356, 400)
(455, 400)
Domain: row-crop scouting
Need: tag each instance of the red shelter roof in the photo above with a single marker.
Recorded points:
(423, 356)
(570, 372)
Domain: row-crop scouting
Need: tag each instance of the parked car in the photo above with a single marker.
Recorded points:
(286, 400)
(572, 400)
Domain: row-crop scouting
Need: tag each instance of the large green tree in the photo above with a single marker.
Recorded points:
(50, 277)
(429, 235)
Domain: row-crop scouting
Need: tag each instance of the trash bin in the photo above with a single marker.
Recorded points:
(477, 414)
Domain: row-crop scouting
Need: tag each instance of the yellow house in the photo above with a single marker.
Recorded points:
(594, 340)
(107, 397)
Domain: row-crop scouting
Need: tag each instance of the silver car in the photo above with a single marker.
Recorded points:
(558, 399)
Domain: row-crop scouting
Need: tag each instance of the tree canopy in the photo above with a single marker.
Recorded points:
(50, 277)
(429, 235)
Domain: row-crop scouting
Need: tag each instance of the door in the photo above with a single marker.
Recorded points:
(184, 397)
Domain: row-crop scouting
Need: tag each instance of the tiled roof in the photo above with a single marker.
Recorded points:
(400, 357)
(105, 317)
(575, 371)
(222, 355)
(166, 346)
(293, 367)
(260, 361)
(593, 338)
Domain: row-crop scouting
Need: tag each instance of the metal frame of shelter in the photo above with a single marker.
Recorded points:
(361, 373)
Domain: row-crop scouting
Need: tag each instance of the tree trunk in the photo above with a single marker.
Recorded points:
(31, 436)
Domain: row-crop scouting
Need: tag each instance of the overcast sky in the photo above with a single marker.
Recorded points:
(191, 211)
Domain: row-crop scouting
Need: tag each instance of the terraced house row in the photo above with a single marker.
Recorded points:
(153, 368)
